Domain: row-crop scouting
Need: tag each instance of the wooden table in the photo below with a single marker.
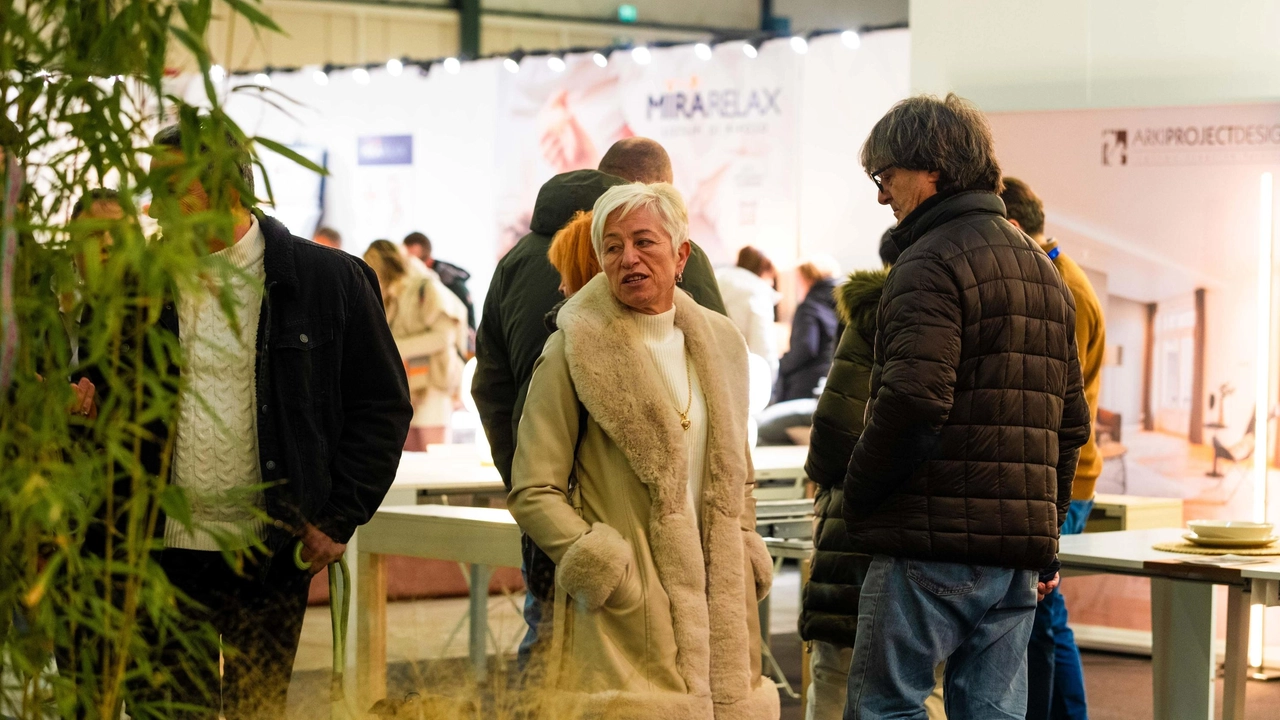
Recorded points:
(447, 472)
(483, 538)
(1182, 658)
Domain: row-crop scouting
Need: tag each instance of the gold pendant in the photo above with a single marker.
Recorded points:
(684, 423)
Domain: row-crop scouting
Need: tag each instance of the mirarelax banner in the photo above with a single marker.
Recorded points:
(729, 124)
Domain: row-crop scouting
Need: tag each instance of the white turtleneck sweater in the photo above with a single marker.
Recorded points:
(215, 457)
(665, 343)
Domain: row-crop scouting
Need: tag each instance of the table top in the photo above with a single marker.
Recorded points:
(458, 469)
(1129, 552)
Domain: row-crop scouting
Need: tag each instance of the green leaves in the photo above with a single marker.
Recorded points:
(82, 499)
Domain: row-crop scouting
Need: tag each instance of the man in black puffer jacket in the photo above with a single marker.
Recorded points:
(962, 475)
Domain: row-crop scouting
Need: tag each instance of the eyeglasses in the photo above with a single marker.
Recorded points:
(875, 177)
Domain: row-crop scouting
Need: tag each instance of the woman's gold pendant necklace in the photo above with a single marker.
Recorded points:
(684, 416)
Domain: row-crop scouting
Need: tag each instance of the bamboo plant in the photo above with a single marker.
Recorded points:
(84, 87)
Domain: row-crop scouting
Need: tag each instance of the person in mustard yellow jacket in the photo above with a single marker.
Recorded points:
(1055, 678)
(632, 472)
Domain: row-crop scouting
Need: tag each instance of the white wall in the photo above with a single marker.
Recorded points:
(1122, 383)
(843, 99)
(1046, 54)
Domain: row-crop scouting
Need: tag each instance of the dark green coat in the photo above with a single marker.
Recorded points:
(829, 607)
(525, 287)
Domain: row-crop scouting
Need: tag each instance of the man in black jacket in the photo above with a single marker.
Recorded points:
(962, 475)
(525, 287)
(303, 394)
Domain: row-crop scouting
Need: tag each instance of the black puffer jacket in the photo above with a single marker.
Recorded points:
(814, 333)
(829, 602)
(977, 415)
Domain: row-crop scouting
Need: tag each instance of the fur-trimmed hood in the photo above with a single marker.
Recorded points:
(858, 300)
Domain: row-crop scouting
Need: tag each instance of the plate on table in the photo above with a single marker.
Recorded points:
(1229, 543)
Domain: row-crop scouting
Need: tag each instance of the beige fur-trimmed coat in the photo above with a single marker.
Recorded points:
(650, 620)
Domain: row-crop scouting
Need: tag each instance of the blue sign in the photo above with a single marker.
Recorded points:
(385, 150)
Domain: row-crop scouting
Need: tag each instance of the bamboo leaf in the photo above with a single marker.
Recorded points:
(249, 10)
(288, 152)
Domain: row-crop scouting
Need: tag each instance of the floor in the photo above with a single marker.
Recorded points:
(426, 650)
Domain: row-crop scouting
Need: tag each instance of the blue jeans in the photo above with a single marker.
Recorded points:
(914, 614)
(1055, 678)
(532, 616)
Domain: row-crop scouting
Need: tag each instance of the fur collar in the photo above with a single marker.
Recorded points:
(621, 390)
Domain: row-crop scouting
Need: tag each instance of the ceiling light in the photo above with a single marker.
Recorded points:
(799, 44)
(851, 39)
(262, 80)
(703, 51)
(750, 50)
(600, 60)
(511, 65)
(217, 73)
(452, 66)
(641, 55)
(556, 63)
(321, 77)
(360, 75)
(394, 67)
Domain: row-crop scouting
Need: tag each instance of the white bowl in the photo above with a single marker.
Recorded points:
(1231, 529)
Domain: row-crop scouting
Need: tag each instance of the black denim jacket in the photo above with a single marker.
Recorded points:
(333, 401)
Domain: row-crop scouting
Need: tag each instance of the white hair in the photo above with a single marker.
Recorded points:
(661, 198)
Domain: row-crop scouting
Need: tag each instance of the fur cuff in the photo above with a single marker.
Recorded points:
(593, 566)
(761, 562)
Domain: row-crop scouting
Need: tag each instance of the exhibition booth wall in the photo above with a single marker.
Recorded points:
(764, 148)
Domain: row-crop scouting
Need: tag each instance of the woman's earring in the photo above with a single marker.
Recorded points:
(679, 278)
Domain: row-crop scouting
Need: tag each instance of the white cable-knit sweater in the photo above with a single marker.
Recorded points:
(215, 457)
(665, 343)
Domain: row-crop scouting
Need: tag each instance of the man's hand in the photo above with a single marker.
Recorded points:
(85, 404)
(319, 549)
(1045, 588)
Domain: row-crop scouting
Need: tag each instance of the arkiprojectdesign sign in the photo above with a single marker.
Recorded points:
(1191, 144)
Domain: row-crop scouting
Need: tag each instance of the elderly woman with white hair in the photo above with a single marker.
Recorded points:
(632, 472)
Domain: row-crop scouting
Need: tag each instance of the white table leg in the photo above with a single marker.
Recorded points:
(1236, 660)
(1182, 661)
(480, 620)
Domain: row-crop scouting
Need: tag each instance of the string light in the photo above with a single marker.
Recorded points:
(641, 54)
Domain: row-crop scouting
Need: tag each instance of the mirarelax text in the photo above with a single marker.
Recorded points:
(715, 104)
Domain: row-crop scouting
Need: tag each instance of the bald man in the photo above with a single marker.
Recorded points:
(639, 159)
